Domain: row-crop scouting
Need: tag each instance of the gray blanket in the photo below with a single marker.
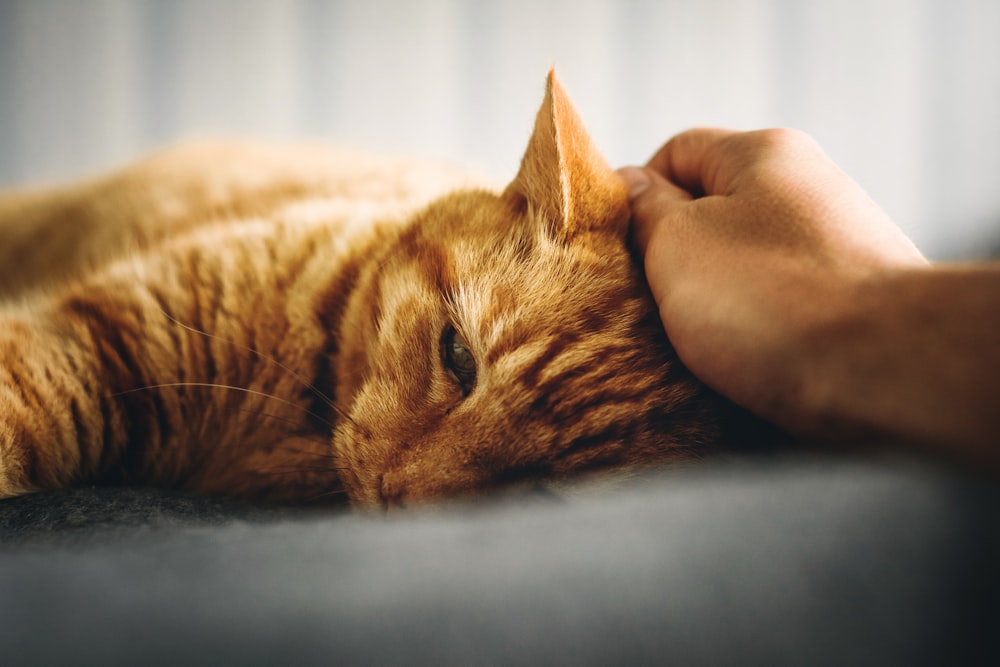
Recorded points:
(783, 560)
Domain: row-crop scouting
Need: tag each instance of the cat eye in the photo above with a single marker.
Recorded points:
(458, 360)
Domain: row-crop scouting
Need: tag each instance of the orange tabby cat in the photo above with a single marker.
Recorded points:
(288, 324)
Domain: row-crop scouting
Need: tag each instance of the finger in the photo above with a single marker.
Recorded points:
(697, 160)
(653, 200)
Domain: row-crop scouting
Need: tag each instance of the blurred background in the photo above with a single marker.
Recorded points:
(903, 94)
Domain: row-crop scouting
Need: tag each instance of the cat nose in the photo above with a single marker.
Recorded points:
(392, 493)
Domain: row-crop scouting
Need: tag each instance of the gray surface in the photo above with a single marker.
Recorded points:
(787, 561)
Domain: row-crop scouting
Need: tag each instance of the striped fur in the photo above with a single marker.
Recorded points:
(272, 322)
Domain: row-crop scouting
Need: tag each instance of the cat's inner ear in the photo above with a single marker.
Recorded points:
(564, 178)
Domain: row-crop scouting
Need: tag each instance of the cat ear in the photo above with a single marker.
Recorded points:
(564, 178)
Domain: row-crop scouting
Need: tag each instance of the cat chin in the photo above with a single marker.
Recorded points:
(534, 492)
(599, 484)
(582, 486)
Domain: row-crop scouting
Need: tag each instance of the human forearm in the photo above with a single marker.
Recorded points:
(914, 357)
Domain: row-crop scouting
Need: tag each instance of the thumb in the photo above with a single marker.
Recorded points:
(653, 199)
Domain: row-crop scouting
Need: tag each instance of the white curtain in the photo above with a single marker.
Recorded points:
(904, 94)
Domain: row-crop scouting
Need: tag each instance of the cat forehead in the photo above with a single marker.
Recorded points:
(478, 231)
(489, 262)
(517, 264)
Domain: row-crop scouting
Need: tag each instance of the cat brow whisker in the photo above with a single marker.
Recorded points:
(214, 385)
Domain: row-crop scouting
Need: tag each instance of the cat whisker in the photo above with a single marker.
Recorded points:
(251, 350)
(319, 455)
(215, 385)
(260, 355)
(296, 470)
(286, 420)
(336, 493)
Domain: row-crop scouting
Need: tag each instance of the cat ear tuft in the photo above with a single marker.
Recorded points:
(564, 178)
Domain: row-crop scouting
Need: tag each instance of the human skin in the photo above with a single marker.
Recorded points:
(783, 286)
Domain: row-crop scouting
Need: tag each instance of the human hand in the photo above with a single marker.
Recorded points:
(755, 245)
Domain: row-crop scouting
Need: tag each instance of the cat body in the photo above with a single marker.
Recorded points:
(300, 325)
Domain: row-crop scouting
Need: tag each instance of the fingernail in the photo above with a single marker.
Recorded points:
(636, 179)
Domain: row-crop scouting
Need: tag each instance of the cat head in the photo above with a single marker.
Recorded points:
(505, 338)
